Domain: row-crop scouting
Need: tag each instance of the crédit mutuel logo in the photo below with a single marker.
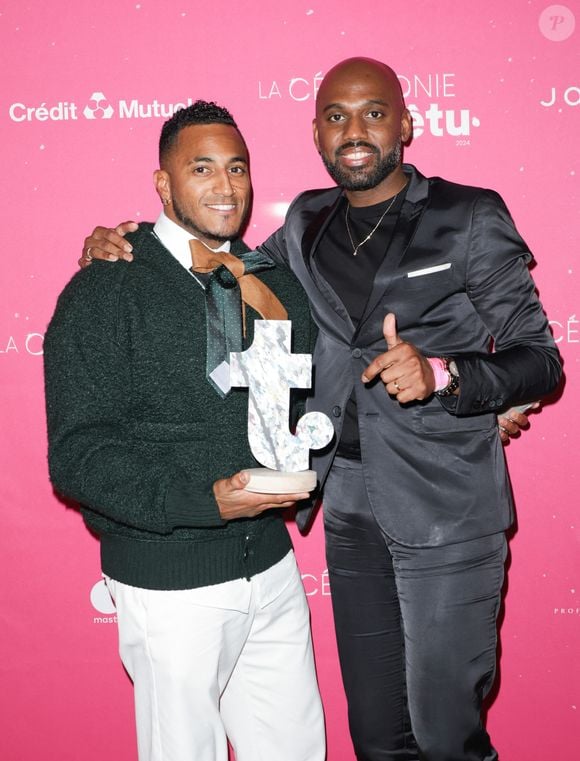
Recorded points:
(97, 107)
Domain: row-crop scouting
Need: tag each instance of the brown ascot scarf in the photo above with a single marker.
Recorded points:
(229, 288)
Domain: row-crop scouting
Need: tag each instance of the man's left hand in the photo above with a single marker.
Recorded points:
(406, 373)
(511, 423)
(109, 244)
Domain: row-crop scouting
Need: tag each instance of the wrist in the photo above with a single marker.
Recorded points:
(446, 375)
(452, 373)
(441, 373)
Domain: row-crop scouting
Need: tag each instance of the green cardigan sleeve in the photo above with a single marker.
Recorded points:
(93, 456)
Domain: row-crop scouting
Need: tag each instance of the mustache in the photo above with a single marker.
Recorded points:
(355, 144)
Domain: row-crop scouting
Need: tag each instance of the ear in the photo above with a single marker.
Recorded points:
(162, 185)
(406, 126)
(315, 134)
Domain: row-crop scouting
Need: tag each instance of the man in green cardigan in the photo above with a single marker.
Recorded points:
(145, 434)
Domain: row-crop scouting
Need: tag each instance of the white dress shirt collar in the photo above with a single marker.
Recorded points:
(176, 240)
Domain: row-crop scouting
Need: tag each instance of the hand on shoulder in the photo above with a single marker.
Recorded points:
(108, 244)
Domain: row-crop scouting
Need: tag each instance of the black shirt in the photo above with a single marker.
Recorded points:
(352, 277)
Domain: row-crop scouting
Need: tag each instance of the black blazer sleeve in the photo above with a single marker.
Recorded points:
(525, 364)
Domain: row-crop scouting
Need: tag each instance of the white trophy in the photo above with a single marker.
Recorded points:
(269, 370)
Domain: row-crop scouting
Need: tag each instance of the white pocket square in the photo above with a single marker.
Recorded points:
(429, 270)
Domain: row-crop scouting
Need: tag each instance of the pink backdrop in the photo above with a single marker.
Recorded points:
(496, 93)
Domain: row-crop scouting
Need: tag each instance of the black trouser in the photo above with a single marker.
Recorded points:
(416, 631)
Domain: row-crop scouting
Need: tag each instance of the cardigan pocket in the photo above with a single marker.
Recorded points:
(182, 443)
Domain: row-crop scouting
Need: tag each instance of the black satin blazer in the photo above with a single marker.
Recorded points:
(456, 277)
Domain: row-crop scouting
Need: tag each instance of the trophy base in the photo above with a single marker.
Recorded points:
(267, 481)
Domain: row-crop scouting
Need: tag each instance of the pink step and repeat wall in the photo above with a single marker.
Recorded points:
(494, 88)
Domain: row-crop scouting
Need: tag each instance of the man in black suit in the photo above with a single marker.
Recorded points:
(416, 496)
(411, 282)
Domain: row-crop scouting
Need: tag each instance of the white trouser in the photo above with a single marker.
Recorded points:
(230, 661)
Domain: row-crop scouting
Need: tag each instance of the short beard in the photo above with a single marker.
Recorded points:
(363, 179)
(201, 232)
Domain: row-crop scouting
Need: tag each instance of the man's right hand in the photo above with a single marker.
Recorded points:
(108, 244)
(235, 502)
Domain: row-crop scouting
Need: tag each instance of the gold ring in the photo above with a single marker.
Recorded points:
(396, 385)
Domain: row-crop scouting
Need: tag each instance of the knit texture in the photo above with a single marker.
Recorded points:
(138, 436)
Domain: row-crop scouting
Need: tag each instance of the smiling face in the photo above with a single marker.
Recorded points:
(360, 126)
(206, 178)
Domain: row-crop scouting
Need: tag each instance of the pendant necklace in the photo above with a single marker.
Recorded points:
(355, 248)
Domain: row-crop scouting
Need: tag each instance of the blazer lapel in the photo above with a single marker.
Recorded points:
(316, 229)
(313, 234)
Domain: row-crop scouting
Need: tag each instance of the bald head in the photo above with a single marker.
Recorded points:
(360, 127)
(356, 73)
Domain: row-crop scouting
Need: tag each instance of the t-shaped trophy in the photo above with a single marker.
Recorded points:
(269, 369)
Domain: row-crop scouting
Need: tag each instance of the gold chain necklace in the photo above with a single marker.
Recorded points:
(372, 232)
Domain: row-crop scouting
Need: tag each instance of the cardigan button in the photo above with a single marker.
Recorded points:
(336, 411)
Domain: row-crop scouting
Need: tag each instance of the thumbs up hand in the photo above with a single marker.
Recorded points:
(404, 371)
(390, 331)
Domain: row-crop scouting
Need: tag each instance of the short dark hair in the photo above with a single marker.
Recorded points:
(201, 112)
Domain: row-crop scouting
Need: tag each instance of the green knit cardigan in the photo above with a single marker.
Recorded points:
(138, 436)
